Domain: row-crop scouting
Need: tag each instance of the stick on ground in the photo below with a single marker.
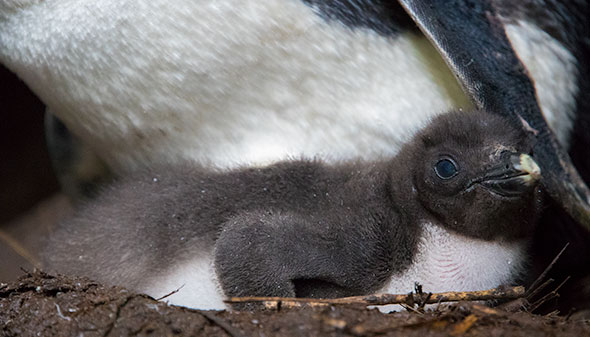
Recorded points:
(541, 278)
(385, 299)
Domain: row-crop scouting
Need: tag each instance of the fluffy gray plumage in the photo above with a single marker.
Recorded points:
(303, 227)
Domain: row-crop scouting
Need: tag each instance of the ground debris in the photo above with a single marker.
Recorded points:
(39, 304)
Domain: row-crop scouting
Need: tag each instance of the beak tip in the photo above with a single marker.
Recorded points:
(527, 164)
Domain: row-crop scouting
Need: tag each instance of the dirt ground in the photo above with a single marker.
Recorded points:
(42, 305)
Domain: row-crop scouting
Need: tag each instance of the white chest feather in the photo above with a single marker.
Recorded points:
(446, 261)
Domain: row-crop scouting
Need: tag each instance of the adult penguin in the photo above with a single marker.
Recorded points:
(234, 82)
(248, 82)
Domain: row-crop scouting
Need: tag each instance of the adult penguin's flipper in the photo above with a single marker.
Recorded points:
(471, 39)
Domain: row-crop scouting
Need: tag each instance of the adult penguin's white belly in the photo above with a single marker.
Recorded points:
(238, 82)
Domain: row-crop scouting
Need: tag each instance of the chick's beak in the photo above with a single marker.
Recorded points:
(514, 175)
(527, 165)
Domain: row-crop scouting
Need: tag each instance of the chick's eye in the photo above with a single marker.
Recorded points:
(445, 169)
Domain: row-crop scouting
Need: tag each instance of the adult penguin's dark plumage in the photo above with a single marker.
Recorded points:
(483, 61)
(454, 210)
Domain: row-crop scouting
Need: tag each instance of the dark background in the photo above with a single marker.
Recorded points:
(26, 176)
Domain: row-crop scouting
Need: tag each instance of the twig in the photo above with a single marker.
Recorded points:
(569, 314)
(423, 303)
(422, 298)
(170, 293)
(411, 308)
(385, 299)
(225, 326)
(461, 328)
(545, 272)
(438, 304)
(553, 313)
(553, 294)
(19, 249)
(517, 305)
(539, 289)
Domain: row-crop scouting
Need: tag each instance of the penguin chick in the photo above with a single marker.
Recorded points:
(452, 211)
